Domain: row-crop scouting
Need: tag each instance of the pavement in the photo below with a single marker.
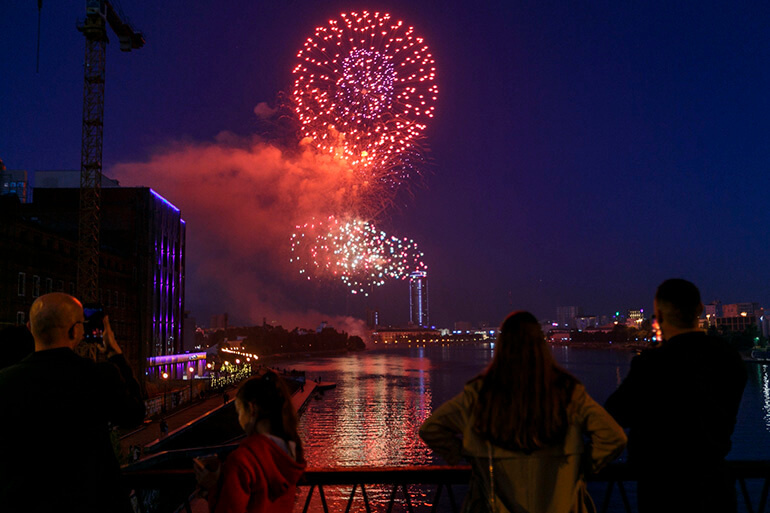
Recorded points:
(149, 434)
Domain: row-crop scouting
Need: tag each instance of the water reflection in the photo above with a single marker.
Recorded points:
(764, 380)
(373, 415)
(382, 397)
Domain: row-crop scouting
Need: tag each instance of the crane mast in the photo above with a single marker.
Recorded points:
(98, 14)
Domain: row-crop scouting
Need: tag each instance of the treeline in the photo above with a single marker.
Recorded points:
(270, 340)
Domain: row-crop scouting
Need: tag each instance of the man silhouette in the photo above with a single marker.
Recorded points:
(55, 448)
(680, 401)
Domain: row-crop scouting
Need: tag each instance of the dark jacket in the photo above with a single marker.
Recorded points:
(680, 402)
(55, 448)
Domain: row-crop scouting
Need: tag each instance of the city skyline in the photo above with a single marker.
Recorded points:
(580, 155)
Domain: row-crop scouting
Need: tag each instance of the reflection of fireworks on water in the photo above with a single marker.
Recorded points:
(365, 85)
(355, 252)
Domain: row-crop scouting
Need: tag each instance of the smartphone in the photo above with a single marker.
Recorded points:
(94, 325)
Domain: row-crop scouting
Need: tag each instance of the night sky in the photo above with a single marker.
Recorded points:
(580, 154)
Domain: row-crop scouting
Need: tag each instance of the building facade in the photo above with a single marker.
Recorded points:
(565, 315)
(740, 309)
(418, 299)
(142, 263)
(15, 183)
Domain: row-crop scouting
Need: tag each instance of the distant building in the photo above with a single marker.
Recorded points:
(218, 322)
(418, 298)
(427, 336)
(713, 309)
(14, 183)
(372, 318)
(583, 322)
(463, 326)
(394, 336)
(634, 318)
(736, 324)
(66, 179)
(565, 315)
(740, 309)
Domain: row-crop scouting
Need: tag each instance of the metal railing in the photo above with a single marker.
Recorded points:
(171, 488)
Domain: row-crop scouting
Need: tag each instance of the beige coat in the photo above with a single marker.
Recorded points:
(548, 480)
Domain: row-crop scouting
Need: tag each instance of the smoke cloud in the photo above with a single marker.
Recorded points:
(263, 110)
(241, 198)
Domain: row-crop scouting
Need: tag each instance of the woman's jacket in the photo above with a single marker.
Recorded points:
(548, 480)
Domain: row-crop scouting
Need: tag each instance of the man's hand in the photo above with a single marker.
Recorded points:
(111, 346)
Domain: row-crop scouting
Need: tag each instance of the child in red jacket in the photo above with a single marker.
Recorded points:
(261, 475)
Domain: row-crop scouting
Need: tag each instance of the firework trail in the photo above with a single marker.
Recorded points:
(364, 87)
(353, 251)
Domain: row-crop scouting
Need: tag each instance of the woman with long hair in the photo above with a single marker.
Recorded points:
(261, 475)
(521, 424)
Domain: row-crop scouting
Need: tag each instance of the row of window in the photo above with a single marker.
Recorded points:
(108, 297)
(36, 285)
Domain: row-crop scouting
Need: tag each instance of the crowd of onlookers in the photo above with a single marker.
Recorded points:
(528, 428)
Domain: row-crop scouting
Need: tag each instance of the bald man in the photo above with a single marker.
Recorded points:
(680, 401)
(56, 409)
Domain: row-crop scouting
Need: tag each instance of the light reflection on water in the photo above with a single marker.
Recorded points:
(383, 395)
(372, 417)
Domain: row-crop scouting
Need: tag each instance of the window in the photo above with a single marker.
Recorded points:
(22, 284)
(48, 285)
(19, 318)
(35, 285)
(59, 285)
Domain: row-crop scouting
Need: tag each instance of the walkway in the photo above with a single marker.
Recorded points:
(149, 433)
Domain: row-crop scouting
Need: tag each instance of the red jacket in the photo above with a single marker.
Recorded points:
(258, 477)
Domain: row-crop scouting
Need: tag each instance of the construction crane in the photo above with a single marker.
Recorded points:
(99, 13)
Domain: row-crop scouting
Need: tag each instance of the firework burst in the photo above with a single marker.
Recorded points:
(355, 252)
(364, 88)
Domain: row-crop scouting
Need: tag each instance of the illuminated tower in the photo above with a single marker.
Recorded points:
(418, 298)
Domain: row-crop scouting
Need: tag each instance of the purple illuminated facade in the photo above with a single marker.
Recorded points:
(167, 241)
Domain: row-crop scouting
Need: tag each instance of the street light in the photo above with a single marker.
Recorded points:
(165, 391)
(192, 370)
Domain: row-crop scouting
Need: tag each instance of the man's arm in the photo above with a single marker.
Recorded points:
(122, 394)
(441, 431)
(623, 404)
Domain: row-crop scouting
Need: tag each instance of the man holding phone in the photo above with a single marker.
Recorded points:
(57, 407)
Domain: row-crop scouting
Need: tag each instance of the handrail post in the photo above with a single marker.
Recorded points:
(309, 496)
(745, 493)
(366, 499)
(352, 496)
(763, 497)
